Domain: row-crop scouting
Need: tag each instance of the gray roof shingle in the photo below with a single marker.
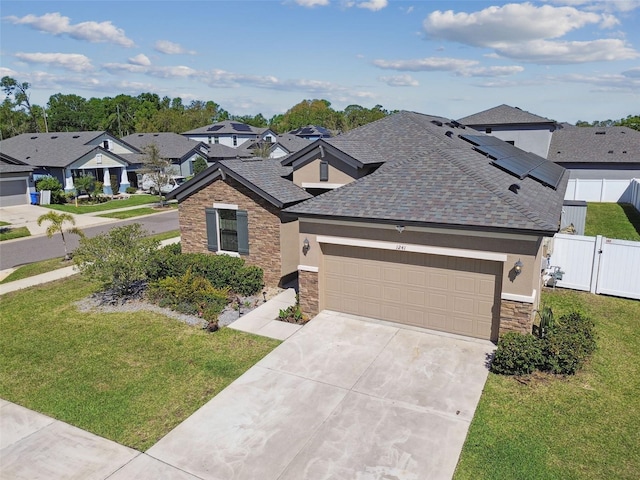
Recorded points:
(595, 145)
(503, 115)
(226, 127)
(170, 145)
(434, 177)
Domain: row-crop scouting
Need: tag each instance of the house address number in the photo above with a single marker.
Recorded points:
(401, 247)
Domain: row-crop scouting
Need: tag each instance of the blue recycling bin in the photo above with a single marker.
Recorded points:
(35, 198)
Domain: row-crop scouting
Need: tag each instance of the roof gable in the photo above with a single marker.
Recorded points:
(503, 115)
(170, 145)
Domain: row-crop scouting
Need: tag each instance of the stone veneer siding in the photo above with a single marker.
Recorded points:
(308, 292)
(263, 218)
(516, 317)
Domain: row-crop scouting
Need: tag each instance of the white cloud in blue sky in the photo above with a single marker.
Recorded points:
(563, 59)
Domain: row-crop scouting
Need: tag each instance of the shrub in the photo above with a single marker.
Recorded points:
(189, 293)
(517, 354)
(568, 343)
(223, 271)
(131, 190)
(51, 183)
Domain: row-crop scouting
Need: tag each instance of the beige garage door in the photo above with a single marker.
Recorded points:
(456, 295)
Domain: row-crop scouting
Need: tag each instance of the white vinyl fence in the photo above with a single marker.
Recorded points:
(598, 264)
(635, 193)
(601, 190)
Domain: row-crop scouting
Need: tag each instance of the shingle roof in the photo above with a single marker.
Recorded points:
(503, 115)
(434, 177)
(291, 143)
(13, 168)
(226, 127)
(218, 151)
(311, 131)
(170, 145)
(263, 176)
(57, 149)
(595, 145)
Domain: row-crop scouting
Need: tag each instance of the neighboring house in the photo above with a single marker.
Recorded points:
(281, 146)
(229, 133)
(529, 132)
(429, 225)
(235, 207)
(67, 155)
(181, 151)
(15, 181)
(602, 161)
(311, 132)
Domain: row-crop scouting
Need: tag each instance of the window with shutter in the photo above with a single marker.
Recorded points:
(227, 230)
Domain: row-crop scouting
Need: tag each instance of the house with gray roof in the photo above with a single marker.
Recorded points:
(311, 132)
(422, 222)
(67, 155)
(181, 151)
(228, 133)
(235, 207)
(525, 130)
(602, 161)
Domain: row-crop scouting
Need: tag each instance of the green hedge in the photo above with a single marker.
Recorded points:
(566, 346)
(223, 271)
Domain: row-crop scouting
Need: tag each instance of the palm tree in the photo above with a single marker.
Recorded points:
(57, 223)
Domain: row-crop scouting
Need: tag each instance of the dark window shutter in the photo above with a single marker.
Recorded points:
(243, 232)
(212, 229)
(324, 171)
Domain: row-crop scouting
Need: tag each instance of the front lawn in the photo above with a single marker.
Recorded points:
(613, 220)
(137, 212)
(585, 426)
(130, 377)
(132, 201)
(8, 233)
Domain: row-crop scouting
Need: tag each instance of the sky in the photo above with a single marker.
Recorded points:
(566, 60)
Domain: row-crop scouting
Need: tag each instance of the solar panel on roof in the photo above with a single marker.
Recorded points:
(548, 173)
(215, 128)
(306, 131)
(241, 127)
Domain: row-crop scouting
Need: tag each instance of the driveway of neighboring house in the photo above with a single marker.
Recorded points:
(343, 398)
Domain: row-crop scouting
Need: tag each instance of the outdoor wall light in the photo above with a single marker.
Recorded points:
(400, 228)
(517, 267)
(305, 246)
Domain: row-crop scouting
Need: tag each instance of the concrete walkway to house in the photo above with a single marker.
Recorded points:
(343, 397)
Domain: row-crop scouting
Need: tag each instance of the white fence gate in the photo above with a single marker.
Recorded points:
(600, 190)
(598, 264)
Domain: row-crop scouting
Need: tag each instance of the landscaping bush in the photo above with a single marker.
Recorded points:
(190, 294)
(568, 343)
(517, 354)
(221, 270)
(131, 190)
(51, 183)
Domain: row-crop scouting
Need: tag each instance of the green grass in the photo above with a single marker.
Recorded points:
(129, 377)
(36, 268)
(137, 212)
(132, 201)
(44, 266)
(613, 220)
(585, 426)
(11, 233)
(4, 224)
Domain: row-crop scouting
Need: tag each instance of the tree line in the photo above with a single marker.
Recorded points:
(148, 112)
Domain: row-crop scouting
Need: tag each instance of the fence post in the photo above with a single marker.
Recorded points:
(595, 268)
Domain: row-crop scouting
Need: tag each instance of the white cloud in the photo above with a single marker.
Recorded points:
(606, 82)
(495, 71)
(373, 5)
(549, 53)
(171, 48)
(69, 61)
(140, 59)
(633, 72)
(56, 24)
(528, 33)
(312, 3)
(7, 72)
(400, 81)
(601, 5)
(511, 23)
(430, 64)
(178, 71)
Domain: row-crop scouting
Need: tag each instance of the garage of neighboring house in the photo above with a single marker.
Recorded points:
(14, 184)
(450, 294)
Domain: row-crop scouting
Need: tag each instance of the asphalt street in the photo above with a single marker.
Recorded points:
(34, 249)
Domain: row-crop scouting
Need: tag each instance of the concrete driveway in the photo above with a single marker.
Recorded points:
(342, 398)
